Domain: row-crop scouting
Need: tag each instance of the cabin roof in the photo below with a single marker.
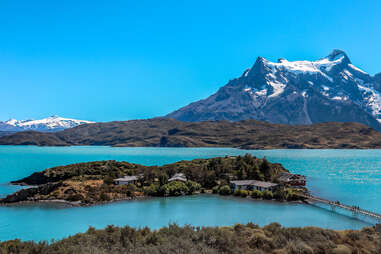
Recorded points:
(178, 177)
(127, 178)
(285, 176)
(254, 183)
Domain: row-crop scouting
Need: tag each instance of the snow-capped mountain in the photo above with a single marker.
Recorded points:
(52, 123)
(295, 92)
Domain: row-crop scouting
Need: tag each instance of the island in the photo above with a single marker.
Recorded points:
(105, 181)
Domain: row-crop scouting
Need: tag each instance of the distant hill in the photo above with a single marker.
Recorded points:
(49, 124)
(5, 133)
(248, 134)
(330, 89)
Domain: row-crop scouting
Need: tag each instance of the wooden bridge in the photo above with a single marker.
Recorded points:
(354, 209)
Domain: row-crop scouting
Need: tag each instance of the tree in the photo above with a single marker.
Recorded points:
(163, 179)
(265, 169)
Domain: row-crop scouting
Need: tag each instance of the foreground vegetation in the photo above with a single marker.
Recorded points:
(249, 134)
(250, 238)
(92, 182)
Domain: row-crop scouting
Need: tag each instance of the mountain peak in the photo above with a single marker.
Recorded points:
(337, 54)
(259, 66)
(295, 92)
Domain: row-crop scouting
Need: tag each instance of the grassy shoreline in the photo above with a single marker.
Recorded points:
(249, 238)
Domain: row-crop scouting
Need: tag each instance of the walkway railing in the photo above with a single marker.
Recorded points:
(354, 209)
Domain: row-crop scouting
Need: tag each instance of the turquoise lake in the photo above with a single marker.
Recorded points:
(351, 176)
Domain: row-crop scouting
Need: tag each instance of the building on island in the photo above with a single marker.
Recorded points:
(253, 185)
(127, 180)
(292, 179)
(178, 177)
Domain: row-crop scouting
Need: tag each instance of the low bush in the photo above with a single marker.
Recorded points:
(192, 187)
(268, 195)
(256, 194)
(175, 188)
(244, 193)
(153, 190)
(237, 193)
(225, 190)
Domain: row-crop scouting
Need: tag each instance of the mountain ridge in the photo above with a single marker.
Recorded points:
(294, 92)
(164, 132)
(49, 124)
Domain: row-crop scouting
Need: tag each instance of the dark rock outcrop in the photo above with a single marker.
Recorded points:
(29, 193)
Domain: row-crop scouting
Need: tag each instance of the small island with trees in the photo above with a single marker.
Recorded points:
(105, 181)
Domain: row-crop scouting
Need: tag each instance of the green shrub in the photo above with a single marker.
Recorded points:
(237, 193)
(175, 188)
(268, 195)
(244, 193)
(225, 190)
(290, 195)
(153, 190)
(256, 194)
(280, 194)
(202, 190)
(215, 189)
(193, 187)
(108, 180)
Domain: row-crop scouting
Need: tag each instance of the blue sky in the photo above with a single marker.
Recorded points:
(121, 60)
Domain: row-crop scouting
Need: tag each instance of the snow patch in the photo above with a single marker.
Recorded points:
(373, 100)
(49, 123)
(356, 69)
(278, 88)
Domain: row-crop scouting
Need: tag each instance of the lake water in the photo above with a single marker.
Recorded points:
(351, 176)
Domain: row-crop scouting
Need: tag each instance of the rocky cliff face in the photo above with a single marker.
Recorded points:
(299, 92)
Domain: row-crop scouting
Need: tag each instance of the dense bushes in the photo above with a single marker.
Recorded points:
(175, 188)
(193, 187)
(268, 195)
(271, 239)
(256, 194)
(225, 190)
(207, 172)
